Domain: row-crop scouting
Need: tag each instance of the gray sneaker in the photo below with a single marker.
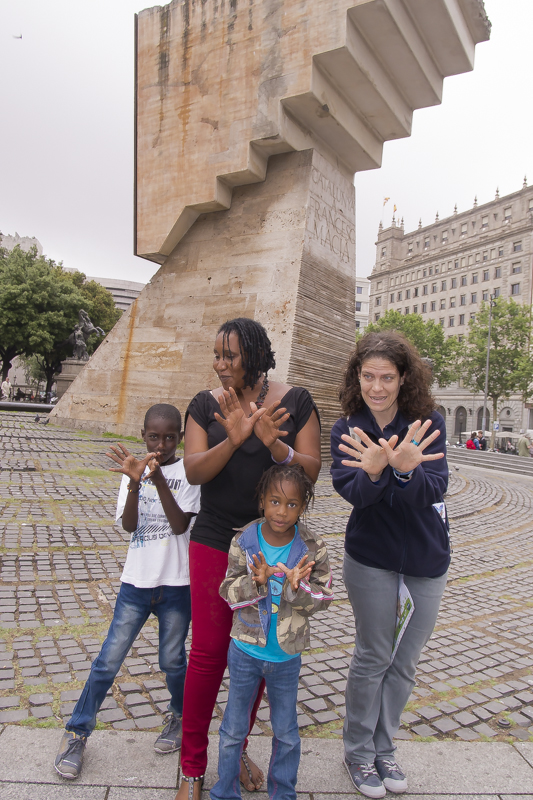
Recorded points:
(366, 779)
(69, 757)
(169, 740)
(391, 774)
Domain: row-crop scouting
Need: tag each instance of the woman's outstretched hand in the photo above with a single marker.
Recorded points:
(267, 427)
(367, 455)
(236, 423)
(406, 456)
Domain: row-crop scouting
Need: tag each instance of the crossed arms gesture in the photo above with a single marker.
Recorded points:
(403, 457)
(261, 571)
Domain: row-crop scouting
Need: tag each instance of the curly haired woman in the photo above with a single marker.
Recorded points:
(397, 537)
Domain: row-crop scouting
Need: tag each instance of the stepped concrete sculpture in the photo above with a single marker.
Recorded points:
(252, 117)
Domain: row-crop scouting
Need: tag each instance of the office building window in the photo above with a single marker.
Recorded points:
(485, 255)
(378, 301)
(461, 319)
(407, 294)
(399, 296)
(359, 290)
(484, 222)
(441, 322)
(462, 300)
(376, 317)
(357, 323)
(500, 252)
(392, 297)
(496, 292)
(456, 263)
(383, 252)
(426, 243)
(474, 277)
(517, 247)
(443, 286)
(415, 309)
(515, 288)
(507, 212)
(415, 291)
(472, 315)
(442, 303)
(451, 322)
(358, 305)
(410, 248)
(464, 228)
(424, 308)
(433, 305)
(452, 302)
(463, 280)
(517, 268)
(431, 270)
(485, 274)
(433, 288)
(424, 289)
(454, 283)
(485, 295)
(473, 299)
(497, 272)
(406, 311)
(444, 236)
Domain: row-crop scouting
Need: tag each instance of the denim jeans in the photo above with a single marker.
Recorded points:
(377, 691)
(246, 674)
(172, 606)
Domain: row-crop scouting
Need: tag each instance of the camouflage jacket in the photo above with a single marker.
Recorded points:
(252, 604)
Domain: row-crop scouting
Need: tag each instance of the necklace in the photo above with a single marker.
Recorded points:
(262, 394)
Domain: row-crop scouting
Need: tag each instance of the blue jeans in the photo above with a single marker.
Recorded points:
(172, 606)
(281, 678)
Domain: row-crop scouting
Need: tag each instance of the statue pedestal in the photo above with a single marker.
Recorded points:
(70, 368)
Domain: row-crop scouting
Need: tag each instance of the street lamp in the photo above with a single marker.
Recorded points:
(492, 303)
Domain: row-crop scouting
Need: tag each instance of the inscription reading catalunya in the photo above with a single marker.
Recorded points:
(331, 211)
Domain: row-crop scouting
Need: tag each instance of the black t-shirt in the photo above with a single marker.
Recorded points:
(229, 500)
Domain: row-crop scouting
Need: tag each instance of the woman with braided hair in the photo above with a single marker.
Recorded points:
(233, 434)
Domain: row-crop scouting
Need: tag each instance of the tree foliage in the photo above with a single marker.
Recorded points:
(430, 341)
(39, 306)
(510, 361)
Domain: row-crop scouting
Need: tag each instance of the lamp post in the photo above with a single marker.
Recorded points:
(492, 303)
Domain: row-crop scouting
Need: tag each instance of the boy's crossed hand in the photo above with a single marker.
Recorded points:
(263, 571)
(131, 466)
(298, 573)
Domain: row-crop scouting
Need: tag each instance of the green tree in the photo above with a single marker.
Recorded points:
(430, 341)
(37, 308)
(510, 361)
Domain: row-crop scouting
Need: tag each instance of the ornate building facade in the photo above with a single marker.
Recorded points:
(445, 271)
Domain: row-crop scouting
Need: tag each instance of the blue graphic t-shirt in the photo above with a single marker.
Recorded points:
(272, 651)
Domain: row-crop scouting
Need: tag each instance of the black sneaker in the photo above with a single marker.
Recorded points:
(69, 757)
(366, 779)
(169, 740)
(392, 776)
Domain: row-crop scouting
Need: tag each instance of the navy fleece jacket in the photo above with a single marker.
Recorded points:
(393, 525)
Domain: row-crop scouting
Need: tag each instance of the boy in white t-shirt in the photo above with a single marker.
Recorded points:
(155, 504)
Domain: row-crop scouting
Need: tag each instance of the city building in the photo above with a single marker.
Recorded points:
(124, 292)
(362, 297)
(24, 242)
(446, 270)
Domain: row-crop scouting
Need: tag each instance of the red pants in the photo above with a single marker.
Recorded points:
(211, 626)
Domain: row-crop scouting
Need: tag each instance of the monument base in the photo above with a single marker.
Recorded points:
(70, 369)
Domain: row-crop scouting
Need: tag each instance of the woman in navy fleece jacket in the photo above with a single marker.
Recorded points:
(389, 462)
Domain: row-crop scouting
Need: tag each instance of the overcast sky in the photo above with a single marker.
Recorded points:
(66, 137)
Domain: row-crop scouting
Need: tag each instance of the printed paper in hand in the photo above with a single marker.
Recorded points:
(404, 613)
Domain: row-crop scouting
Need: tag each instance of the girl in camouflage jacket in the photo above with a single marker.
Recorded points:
(278, 575)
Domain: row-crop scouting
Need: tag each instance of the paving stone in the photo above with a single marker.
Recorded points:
(445, 725)
(41, 699)
(423, 730)
(429, 713)
(9, 702)
(484, 730)
(465, 718)
(13, 716)
(467, 734)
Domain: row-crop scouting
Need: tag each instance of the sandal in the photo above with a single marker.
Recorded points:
(191, 782)
(244, 759)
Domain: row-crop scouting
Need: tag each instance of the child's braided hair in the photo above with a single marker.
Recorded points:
(254, 346)
(292, 473)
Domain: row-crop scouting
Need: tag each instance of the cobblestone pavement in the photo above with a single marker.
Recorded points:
(61, 556)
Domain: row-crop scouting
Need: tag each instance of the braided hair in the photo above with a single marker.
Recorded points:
(292, 473)
(255, 347)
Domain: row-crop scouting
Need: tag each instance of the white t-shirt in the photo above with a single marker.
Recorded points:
(156, 556)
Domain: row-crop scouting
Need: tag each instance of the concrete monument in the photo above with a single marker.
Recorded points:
(251, 120)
